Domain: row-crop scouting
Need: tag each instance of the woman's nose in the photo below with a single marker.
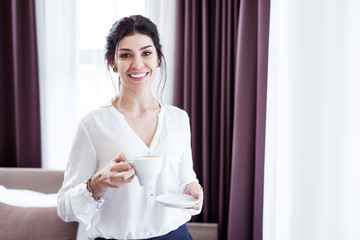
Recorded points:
(137, 62)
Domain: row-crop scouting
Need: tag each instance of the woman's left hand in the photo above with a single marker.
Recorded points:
(194, 189)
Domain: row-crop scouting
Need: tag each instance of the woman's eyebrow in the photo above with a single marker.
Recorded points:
(129, 50)
(145, 47)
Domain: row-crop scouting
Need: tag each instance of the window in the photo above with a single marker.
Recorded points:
(95, 18)
(72, 70)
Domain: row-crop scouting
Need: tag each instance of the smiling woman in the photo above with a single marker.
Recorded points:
(147, 50)
(99, 174)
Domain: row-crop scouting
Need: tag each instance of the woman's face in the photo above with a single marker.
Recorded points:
(136, 61)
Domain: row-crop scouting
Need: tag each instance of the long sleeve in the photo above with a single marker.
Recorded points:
(74, 202)
(186, 172)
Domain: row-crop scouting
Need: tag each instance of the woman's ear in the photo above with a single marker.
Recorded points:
(113, 65)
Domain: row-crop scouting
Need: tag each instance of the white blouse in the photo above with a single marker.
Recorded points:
(131, 211)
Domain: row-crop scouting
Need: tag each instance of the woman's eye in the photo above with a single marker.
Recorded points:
(125, 55)
(147, 53)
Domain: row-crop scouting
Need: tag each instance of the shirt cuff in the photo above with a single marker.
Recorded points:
(83, 204)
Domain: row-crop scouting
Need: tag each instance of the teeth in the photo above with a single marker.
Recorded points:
(138, 75)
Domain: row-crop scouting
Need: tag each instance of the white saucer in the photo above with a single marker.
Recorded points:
(177, 200)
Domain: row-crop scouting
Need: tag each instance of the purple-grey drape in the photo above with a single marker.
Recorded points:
(20, 144)
(220, 80)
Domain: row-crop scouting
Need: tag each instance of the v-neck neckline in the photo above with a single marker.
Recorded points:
(121, 120)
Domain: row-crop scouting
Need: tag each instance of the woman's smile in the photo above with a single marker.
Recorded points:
(138, 76)
(136, 61)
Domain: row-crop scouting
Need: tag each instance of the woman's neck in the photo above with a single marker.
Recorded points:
(138, 104)
(133, 100)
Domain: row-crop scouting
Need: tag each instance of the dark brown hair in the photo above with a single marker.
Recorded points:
(128, 26)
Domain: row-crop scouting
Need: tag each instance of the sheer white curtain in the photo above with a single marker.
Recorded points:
(73, 78)
(58, 70)
(312, 161)
(162, 13)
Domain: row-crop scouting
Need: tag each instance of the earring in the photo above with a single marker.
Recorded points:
(114, 69)
(159, 64)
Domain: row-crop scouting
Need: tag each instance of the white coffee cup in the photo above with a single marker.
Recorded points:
(147, 169)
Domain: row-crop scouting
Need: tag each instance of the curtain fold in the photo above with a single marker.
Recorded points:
(220, 80)
(20, 142)
(249, 123)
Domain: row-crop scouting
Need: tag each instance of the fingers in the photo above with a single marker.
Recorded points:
(195, 192)
(121, 157)
(118, 172)
(121, 177)
(121, 167)
(196, 206)
(194, 189)
(124, 175)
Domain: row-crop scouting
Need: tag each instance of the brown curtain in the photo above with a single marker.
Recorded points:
(20, 144)
(220, 80)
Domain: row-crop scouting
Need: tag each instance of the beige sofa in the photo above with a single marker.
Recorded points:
(43, 223)
(33, 222)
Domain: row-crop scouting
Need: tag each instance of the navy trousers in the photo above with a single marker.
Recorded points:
(182, 233)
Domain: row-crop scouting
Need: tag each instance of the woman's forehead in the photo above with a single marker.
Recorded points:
(135, 41)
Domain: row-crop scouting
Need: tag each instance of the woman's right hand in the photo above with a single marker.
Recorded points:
(117, 173)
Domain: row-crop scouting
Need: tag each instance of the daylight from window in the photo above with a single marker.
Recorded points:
(95, 18)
